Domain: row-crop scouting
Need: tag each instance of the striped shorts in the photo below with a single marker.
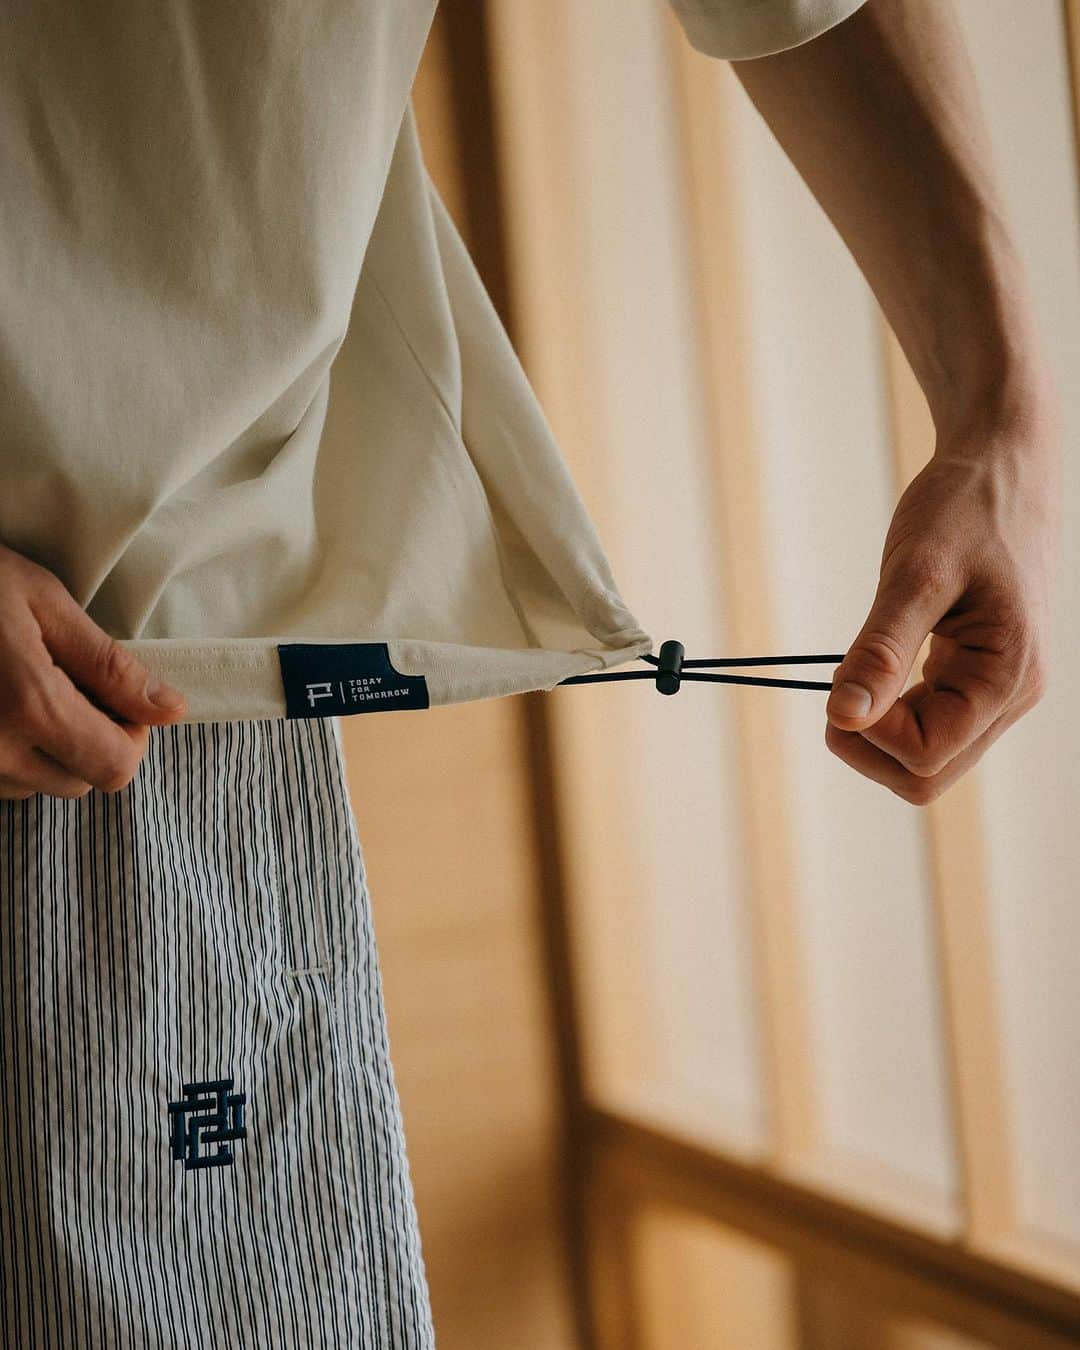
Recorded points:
(202, 1136)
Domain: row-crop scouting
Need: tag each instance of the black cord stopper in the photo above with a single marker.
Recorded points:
(669, 667)
(672, 669)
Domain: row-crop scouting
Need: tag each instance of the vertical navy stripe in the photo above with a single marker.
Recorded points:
(212, 920)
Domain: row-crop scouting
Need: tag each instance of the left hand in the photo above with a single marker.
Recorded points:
(969, 558)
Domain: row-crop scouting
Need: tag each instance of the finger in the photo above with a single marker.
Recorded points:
(934, 722)
(106, 669)
(55, 718)
(911, 598)
(40, 773)
(856, 751)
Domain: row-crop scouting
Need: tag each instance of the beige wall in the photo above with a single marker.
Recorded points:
(779, 960)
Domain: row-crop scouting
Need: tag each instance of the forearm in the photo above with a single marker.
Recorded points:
(881, 118)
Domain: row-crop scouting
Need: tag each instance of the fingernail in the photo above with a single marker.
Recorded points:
(164, 695)
(850, 700)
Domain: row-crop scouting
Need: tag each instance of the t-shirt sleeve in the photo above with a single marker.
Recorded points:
(740, 29)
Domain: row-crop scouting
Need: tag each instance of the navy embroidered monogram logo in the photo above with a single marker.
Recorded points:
(208, 1113)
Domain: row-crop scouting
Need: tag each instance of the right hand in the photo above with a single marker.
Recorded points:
(75, 705)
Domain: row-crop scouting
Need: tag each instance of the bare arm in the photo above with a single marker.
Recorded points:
(880, 116)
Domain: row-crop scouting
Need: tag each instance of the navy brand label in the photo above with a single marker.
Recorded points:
(339, 678)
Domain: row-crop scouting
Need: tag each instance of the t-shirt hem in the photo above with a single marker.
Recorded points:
(752, 28)
(241, 679)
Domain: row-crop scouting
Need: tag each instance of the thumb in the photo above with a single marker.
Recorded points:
(100, 665)
(872, 675)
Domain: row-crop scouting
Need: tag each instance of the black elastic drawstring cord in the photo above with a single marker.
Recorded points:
(672, 670)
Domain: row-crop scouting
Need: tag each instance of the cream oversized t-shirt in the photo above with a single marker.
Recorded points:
(197, 200)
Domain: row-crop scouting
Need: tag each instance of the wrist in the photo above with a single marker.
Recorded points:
(987, 375)
(1005, 449)
(1011, 404)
